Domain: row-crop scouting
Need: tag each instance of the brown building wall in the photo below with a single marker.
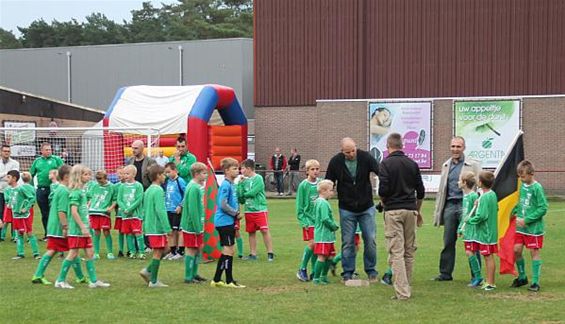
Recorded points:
(317, 131)
(306, 50)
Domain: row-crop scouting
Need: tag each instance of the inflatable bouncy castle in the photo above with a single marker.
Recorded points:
(174, 110)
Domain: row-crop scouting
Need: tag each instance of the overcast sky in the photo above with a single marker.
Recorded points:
(14, 13)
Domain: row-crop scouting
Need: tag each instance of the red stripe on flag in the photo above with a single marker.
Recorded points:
(506, 249)
(212, 246)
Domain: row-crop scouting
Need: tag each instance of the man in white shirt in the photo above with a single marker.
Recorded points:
(161, 159)
(6, 164)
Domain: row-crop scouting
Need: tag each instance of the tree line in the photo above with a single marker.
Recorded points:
(185, 20)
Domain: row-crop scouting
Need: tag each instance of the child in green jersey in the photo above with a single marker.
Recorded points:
(485, 223)
(530, 227)
(22, 201)
(53, 177)
(192, 223)
(102, 204)
(8, 215)
(118, 223)
(57, 227)
(155, 225)
(324, 232)
(78, 233)
(130, 198)
(468, 231)
(306, 194)
(251, 193)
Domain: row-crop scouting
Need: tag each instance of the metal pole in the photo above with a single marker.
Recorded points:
(180, 65)
(69, 83)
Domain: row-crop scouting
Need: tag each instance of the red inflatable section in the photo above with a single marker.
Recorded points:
(198, 145)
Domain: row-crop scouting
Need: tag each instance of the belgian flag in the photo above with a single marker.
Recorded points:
(507, 188)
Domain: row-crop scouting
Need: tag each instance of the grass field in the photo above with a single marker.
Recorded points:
(275, 295)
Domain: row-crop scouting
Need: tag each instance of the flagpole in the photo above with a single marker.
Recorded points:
(508, 150)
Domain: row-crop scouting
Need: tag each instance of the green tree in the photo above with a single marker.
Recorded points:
(100, 30)
(8, 40)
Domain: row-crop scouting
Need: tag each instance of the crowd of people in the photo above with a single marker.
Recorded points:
(158, 208)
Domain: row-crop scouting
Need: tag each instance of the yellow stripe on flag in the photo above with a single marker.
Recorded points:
(505, 207)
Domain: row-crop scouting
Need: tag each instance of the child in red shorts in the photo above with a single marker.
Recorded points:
(22, 201)
(101, 205)
(8, 219)
(118, 221)
(155, 225)
(79, 229)
(324, 232)
(530, 226)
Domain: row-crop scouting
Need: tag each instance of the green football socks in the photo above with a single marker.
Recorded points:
(197, 260)
(536, 270)
(336, 259)
(521, 266)
(96, 243)
(43, 263)
(109, 244)
(140, 243)
(155, 263)
(306, 256)
(475, 267)
(91, 270)
(131, 243)
(78, 268)
(188, 267)
(239, 243)
(64, 270)
(121, 242)
(20, 245)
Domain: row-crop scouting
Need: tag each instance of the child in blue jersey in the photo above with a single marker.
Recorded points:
(226, 213)
(174, 193)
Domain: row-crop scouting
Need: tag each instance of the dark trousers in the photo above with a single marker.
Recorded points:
(1, 206)
(451, 219)
(279, 181)
(42, 195)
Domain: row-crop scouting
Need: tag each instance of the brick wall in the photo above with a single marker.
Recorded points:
(316, 132)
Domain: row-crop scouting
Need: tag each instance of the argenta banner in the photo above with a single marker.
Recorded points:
(412, 120)
(488, 128)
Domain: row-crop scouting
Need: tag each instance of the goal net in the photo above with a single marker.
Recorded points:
(99, 148)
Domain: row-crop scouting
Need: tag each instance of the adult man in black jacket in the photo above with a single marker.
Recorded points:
(351, 170)
(401, 190)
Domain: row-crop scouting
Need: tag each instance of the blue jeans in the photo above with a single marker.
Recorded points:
(348, 222)
(279, 180)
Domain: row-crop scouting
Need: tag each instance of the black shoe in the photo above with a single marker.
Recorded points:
(534, 287)
(387, 279)
(442, 278)
(199, 278)
(120, 254)
(333, 268)
(519, 282)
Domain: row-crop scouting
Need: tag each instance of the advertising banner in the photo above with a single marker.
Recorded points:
(488, 128)
(412, 120)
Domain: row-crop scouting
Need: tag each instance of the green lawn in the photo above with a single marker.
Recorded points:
(275, 295)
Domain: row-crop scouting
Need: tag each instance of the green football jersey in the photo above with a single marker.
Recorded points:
(77, 198)
(192, 220)
(22, 200)
(486, 219)
(532, 208)
(7, 196)
(59, 204)
(155, 220)
(130, 198)
(101, 198)
(324, 226)
(466, 229)
(306, 195)
(251, 192)
(117, 186)
(183, 167)
(52, 189)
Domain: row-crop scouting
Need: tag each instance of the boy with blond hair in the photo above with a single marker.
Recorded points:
(324, 232)
(102, 203)
(306, 195)
(530, 226)
(467, 184)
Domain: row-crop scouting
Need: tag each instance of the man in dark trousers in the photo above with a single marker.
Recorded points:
(293, 170)
(278, 165)
(351, 171)
(401, 190)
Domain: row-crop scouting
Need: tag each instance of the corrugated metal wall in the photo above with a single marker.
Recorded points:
(335, 49)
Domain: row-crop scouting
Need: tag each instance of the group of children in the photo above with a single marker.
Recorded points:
(479, 226)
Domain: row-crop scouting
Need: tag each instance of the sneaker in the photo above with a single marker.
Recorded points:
(141, 256)
(302, 275)
(168, 256)
(132, 255)
(324, 280)
(355, 275)
(200, 278)
(489, 287)
(147, 250)
(193, 281)
(318, 281)
(37, 256)
(40, 280)
(240, 256)
(176, 257)
(120, 254)
(311, 277)
(145, 275)
(18, 257)
(96, 256)
(250, 257)
(517, 282)
(82, 280)
(387, 279)
(110, 256)
(158, 284)
(98, 284)
(374, 278)
(476, 283)
(63, 285)
(344, 279)
(270, 257)
(234, 284)
(442, 278)
(128, 254)
(534, 287)
(217, 284)
(333, 269)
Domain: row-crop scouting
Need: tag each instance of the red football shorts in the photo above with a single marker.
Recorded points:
(57, 244)
(7, 214)
(484, 249)
(529, 241)
(307, 233)
(23, 225)
(79, 242)
(131, 226)
(118, 224)
(193, 240)
(325, 249)
(100, 222)
(256, 221)
(157, 241)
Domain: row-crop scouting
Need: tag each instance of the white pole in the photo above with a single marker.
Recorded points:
(69, 83)
(180, 65)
